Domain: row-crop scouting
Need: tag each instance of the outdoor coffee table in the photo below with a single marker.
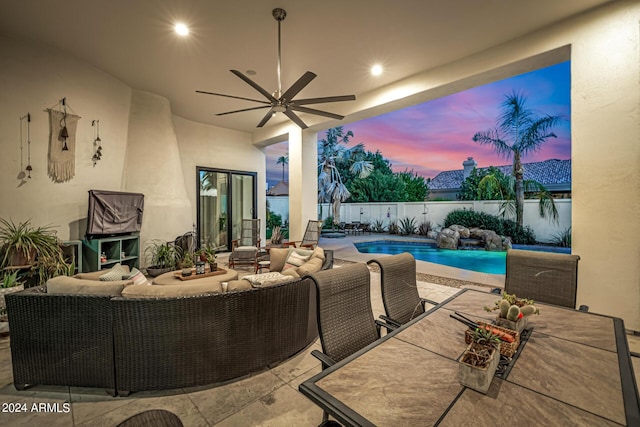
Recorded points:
(573, 369)
(171, 279)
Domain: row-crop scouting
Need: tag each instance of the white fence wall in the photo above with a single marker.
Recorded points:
(436, 212)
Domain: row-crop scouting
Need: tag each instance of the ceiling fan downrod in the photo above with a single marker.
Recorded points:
(279, 15)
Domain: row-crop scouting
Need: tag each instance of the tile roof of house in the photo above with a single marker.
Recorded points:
(548, 172)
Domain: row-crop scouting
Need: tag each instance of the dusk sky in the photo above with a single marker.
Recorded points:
(436, 136)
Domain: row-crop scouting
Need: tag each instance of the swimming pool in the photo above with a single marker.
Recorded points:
(476, 260)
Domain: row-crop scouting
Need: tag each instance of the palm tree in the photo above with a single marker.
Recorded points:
(497, 186)
(517, 133)
(331, 153)
(284, 160)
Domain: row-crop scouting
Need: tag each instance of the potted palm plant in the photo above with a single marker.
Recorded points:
(162, 257)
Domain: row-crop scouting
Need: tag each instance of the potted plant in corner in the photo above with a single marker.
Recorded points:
(162, 256)
(479, 362)
(10, 283)
(22, 244)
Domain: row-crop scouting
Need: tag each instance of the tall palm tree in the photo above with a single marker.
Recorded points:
(518, 132)
(284, 160)
(332, 153)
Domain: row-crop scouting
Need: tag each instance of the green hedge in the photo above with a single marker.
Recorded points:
(504, 227)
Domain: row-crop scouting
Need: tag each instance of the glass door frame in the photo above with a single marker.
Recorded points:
(229, 205)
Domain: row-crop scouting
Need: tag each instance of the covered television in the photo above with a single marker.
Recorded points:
(114, 213)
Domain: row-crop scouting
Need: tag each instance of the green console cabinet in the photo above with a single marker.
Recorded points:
(120, 249)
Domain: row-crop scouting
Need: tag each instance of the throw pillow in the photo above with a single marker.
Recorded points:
(296, 258)
(114, 274)
(278, 256)
(138, 278)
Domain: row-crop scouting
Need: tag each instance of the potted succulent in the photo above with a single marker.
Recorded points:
(513, 311)
(186, 263)
(162, 257)
(479, 362)
(208, 254)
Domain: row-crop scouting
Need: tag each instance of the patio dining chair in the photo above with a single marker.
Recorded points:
(400, 297)
(311, 236)
(345, 317)
(244, 251)
(546, 277)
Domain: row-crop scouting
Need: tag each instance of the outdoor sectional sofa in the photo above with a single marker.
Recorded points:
(126, 344)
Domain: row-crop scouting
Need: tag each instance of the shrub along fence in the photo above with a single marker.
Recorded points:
(436, 212)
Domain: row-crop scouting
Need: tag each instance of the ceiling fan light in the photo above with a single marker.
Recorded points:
(279, 109)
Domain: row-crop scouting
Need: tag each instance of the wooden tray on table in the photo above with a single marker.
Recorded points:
(216, 272)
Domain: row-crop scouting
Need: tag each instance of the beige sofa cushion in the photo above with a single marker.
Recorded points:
(311, 266)
(166, 291)
(267, 279)
(238, 285)
(291, 272)
(73, 286)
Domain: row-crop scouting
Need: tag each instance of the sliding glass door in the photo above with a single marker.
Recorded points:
(224, 198)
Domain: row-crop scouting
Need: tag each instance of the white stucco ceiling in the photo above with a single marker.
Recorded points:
(338, 40)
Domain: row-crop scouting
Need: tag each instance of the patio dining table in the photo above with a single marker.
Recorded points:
(572, 368)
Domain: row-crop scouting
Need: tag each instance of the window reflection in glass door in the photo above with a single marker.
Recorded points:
(224, 199)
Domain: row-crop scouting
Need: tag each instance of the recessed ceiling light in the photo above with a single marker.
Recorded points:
(181, 29)
(376, 70)
(251, 73)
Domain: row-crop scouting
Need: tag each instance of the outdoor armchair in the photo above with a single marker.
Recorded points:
(402, 302)
(244, 251)
(311, 236)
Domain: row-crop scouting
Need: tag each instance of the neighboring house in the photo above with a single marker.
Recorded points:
(553, 173)
(280, 189)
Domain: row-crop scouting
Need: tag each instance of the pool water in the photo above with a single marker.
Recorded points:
(475, 260)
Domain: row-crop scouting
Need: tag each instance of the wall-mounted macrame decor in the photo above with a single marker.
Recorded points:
(62, 142)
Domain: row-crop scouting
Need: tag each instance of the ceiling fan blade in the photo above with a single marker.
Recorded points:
(298, 86)
(294, 118)
(324, 99)
(231, 96)
(244, 109)
(254, 85)
(316, 112)
(266, 118)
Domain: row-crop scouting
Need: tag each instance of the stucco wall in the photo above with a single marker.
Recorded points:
(213, 147)
(34, 77)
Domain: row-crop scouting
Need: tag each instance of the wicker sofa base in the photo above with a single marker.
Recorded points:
(126, 345)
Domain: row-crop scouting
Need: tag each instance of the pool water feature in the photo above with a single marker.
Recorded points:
(470, 259)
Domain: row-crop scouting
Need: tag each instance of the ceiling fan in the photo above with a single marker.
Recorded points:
(279, 102)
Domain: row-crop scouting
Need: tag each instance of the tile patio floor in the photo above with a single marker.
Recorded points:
(268, 398)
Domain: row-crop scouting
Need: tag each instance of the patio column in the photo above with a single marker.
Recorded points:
(303, 181)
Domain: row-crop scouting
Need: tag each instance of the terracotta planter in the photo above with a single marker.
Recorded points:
(475, 377)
